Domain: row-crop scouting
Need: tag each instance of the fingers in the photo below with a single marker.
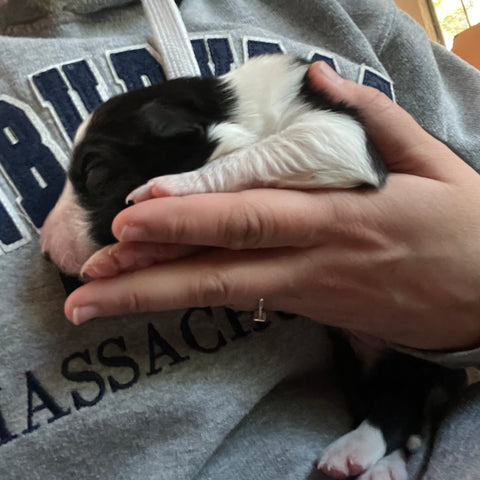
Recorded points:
(130, 256)
(398, 138)
(215, 278)
(259, 218)
(165, 229)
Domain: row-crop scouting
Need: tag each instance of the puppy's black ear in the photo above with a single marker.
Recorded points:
(168, 121)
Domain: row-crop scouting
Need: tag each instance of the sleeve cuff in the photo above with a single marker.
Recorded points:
(460, 359)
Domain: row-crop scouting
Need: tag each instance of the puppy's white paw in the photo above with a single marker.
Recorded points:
(354, 453)
(391, 467)
(173, 185)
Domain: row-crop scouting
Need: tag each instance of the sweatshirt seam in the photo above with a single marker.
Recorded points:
(390, 22)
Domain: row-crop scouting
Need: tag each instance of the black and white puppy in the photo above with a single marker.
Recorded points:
(258, 126)
(283, 135)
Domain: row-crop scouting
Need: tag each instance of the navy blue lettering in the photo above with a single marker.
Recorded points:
(53, 89)
(237, 327)
(5, 434)
(85, 376)
(190, 338)
(372, 79)
(220, 58)
(135, 67)
(317, 57)
(201, 55)
(9, 233)
(24, 158)
(83, 81)
(118, 361)
(156, 340)
(221, 54)
(257, 47)
(48, 402)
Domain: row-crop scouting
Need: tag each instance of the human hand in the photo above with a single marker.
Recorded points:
(401, 263)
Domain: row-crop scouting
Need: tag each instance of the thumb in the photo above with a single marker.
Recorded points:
(401, 142)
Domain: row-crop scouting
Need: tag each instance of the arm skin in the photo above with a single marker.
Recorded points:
(402, 263)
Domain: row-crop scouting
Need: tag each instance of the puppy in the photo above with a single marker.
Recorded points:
(258, 126)
(189, 123)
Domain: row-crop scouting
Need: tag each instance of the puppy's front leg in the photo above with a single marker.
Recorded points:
(325, 149)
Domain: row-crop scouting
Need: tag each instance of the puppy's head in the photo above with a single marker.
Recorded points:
(129, 139)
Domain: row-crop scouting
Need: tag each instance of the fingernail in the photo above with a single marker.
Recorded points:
(137, 194)
(100, 265)
(93, 272)
(326, 70)
(82, 314)
(131, 233)
(86, 276)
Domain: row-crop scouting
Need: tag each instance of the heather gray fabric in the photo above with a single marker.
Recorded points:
(198, 394)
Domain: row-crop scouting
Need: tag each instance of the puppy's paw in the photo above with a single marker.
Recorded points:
(146, 191)
(179, 184)
(354, 453)
(391, 467)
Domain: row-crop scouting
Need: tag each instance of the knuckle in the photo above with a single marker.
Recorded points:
(134, 303)
(246, 226)
(178, 228)
(210, 289)
(334, 214)
(350, 224)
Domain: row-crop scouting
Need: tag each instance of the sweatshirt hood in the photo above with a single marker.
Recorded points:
(18, 12)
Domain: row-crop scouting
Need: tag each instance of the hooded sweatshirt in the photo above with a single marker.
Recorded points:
(201, 393)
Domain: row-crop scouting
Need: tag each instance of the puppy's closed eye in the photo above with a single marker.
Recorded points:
(96, 177)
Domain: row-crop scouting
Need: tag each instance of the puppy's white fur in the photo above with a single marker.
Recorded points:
(390, 467)
(64, 235)
(276, 139)
(354, 453)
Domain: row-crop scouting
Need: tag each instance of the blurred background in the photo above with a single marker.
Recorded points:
(453, 23)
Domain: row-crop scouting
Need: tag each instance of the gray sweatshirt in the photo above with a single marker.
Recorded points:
(198, 394)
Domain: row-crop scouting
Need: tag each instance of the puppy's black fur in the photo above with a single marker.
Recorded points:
(140, 135)
(162, 130)
(399, 394)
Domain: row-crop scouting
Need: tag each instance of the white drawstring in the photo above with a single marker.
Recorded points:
(170, 38)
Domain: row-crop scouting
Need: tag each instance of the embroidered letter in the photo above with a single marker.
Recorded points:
(87, 82)
(318, 57)
(5, 435)
(13, 232)
(205, 330)
(236, 325)
(371, 78)
(135, 67)
(155, 339)
(30, 159)
(253, 47)
(54, 93)
(118, 361)
(217, 59)
(85, 376)
(48, 402)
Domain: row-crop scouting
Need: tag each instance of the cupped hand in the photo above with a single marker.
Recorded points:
(402, 263)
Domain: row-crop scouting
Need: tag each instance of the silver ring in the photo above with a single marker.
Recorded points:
(260, 315)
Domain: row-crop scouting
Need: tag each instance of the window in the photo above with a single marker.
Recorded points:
(455, 16)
